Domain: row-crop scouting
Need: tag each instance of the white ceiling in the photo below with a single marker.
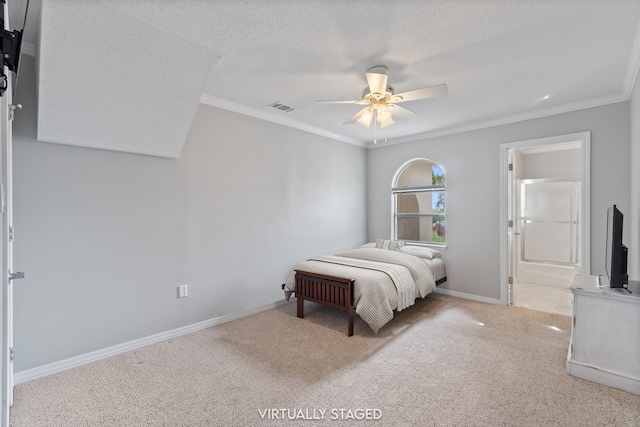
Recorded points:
(128, 74)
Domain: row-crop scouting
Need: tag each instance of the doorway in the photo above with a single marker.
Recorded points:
(545, 214)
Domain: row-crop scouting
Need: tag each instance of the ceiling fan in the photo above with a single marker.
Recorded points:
(381, 102)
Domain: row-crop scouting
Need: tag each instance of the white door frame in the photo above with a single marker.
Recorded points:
(585, 225)
(6, 242)
(6, 265)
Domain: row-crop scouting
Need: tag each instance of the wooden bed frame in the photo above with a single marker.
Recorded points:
(336, 292)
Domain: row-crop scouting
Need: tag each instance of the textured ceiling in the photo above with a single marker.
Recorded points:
(108, 80)
(128, 74)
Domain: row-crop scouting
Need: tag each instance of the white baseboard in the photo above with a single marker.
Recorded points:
(94, 356)
(465, 295)
(603, 376)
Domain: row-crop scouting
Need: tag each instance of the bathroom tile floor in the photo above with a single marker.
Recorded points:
(551, 299)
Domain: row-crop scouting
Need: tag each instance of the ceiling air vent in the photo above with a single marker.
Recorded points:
(282, 107)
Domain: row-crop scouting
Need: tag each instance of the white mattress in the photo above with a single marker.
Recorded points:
(437, 267)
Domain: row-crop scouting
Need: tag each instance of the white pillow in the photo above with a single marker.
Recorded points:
(420, 251)
(392, 245)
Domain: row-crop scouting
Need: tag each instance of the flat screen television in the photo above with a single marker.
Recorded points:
(616, 254)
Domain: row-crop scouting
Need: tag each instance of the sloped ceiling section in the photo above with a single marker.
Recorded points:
(115, 82)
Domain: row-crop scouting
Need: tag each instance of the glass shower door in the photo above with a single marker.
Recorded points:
(549, 221)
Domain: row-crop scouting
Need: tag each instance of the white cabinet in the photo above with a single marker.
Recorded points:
(605, 334)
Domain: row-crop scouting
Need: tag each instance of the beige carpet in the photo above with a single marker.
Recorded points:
(443, 362)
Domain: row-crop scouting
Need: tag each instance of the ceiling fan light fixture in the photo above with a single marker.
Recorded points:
(386, 122)
(365, 119)
(383, 111)
(384, 117)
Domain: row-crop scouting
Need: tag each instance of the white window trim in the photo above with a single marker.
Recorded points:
(394, 180)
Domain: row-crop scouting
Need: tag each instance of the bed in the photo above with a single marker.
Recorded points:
(372, 282)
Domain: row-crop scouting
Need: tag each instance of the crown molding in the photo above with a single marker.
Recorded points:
(566, 108)
(258, 114)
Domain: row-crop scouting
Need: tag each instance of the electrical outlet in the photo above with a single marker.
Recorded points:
(182, 291)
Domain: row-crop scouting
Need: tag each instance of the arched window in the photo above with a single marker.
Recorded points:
(418, 199)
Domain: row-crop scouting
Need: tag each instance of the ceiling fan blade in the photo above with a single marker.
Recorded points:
(425, 92)
(402, 113)
(329, 101)
(355, 117)
(377, 82)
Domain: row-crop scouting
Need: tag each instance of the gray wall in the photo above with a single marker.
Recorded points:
(552, 164)
(634, 217)
(471, 160)
(105, 238)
